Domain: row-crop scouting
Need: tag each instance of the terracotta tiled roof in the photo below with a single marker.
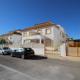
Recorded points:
(42, 25)
(12, 32)
(37, 26)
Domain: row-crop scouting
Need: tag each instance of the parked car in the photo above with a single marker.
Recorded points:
(1, 51)
(6, 51)
(16, 52)
(22, 52)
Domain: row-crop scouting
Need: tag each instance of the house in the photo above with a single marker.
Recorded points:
(5, 37)
(45, 38)
(13, 38)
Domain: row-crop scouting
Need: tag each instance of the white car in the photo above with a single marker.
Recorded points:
(6, 51)
(17, 49)
(1, 51)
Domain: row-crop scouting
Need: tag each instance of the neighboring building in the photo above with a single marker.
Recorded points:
(5, 37)
(44, 38)
(16, 39)
(13, 38)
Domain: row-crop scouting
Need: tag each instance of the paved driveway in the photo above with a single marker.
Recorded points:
(38, 69)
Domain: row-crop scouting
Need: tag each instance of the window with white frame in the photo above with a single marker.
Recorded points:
(39, 31)
(62, 34)
(24, 34)
(48, 31)
(28, 33)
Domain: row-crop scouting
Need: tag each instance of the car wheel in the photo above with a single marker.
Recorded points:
(23, 57)
(2, 53)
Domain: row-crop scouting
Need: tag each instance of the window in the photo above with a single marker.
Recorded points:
(42, 41)
(24, 41)
(48, 30)
(62, 34)
(28, 33)
(10, 37)
(24, 34)
(39, 31)
(35, 41)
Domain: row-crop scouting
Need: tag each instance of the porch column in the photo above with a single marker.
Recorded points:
(63, 50)
(40, 40)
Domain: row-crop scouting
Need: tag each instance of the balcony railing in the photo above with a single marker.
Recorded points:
(34, 33)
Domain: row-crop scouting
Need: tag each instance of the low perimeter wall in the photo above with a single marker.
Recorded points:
(38, 48)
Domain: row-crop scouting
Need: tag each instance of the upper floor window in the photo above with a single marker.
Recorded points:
(39, 31)
(48, 31)
(24, 34)
(27, 33)
(10, 38)
(62, 34)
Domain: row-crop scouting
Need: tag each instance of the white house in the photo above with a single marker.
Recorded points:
(44, 38)
(15, 39)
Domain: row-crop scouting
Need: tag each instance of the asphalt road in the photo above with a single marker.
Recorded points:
(38, 68)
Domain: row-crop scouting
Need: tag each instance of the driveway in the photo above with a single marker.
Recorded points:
(38, 68)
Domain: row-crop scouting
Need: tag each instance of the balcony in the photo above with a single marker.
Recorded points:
(33, 33)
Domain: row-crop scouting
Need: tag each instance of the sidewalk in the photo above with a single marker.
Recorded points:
(72, 58)
(65, 58)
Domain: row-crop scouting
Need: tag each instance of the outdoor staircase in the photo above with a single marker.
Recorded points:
(50, 52)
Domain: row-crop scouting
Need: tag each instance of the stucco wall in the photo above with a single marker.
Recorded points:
(63, 50)
(38, 48)
(58, 38)
(55, 36)
(16, 40)
(39, 51)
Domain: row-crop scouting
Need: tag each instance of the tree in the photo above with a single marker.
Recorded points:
(3, 41)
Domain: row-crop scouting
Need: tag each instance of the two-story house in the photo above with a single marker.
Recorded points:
(13, 38)
(44, 38)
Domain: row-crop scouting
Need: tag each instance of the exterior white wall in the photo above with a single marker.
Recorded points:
(55, 36)
(48, 35)
(39, 51)
(16, 40)
(63, 50)
(38, 48)
(58, 38)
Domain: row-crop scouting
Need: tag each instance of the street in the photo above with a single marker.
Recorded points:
(38, 69)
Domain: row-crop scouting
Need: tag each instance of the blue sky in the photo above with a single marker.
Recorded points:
(18, 14)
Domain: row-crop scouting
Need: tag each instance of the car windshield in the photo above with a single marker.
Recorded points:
(27, 48)
(5, 48)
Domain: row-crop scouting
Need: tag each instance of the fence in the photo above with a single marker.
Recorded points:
(73, 48)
